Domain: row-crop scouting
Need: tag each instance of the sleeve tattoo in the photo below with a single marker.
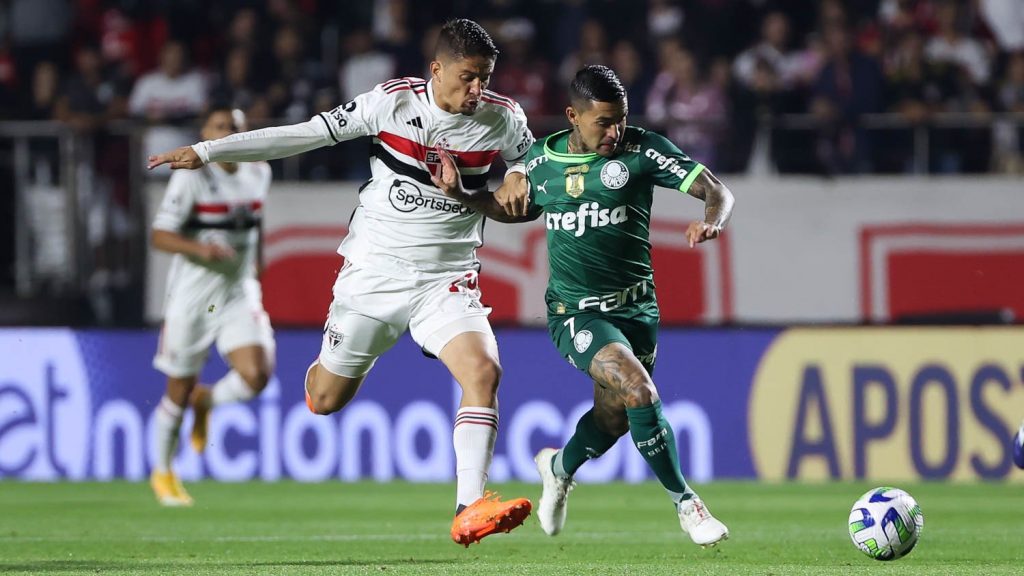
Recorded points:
(718, 200)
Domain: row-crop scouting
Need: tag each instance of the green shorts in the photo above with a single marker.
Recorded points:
(580, 336)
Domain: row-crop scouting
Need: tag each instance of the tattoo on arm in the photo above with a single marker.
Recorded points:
(718, 200)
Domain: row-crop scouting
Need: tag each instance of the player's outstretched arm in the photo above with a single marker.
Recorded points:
(449, 182)
(718, 203)
(263, 144)
(179, 158)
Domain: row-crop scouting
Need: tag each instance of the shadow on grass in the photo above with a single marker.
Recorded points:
(43, 566)
(405, 562)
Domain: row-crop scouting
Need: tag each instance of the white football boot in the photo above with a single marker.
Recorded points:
(696, 520)
(553, 498)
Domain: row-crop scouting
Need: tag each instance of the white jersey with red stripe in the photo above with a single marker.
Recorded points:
(211, 205)
(404, 225)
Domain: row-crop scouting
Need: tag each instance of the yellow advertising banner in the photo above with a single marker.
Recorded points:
(888, 403)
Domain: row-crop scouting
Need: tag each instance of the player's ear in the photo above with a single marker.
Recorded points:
(571, 114)
(435, 70)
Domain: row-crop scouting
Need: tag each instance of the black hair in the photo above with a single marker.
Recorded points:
(597, 83)
(464, 38)
(214, 109)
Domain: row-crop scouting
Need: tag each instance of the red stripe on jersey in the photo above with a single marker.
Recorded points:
(410, 148)
(498, 102)
(398, 89)
(480, 159)
(225, 208)
(497, 96)
(418, 152)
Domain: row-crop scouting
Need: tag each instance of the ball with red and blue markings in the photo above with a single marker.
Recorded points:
(1018, 447)
(886, 523)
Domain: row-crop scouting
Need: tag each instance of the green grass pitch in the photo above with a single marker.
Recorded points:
(397, 528)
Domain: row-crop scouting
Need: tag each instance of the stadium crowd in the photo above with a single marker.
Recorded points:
(707, 72)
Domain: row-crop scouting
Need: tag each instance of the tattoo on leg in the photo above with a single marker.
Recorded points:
(615, 368)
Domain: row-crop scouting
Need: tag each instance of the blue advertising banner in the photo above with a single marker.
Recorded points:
(815, 404)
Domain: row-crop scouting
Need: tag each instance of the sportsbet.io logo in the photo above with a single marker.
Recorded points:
(407, 197)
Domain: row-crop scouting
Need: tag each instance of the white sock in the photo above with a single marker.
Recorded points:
(168, 422)
(475, 432)
(231, 388)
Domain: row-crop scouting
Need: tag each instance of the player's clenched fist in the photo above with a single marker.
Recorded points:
(698, 232)
(514, 196)
(184, 157)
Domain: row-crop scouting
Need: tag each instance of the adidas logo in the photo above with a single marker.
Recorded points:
(416, 122)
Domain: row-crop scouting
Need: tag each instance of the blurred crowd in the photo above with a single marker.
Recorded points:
(709, 73)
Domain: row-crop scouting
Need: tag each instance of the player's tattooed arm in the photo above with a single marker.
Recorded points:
(449, 182)
(718, 203)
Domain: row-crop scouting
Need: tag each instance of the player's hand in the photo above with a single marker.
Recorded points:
(447, 178)
(184, 157)
(513, 196)
(215, 252)
(698, 232)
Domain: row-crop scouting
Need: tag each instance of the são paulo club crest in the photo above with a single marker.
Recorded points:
(614, 175)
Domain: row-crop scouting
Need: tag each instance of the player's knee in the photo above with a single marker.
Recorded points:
(324, 403)
(485, 377)
(639, 391)
(256, 377)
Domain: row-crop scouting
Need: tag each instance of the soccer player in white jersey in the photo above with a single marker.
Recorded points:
(210, 220)
(410, 254)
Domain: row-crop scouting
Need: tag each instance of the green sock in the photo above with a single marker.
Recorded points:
(653, 436)
(587, 442)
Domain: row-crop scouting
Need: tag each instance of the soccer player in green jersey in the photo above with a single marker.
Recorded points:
(593, 184)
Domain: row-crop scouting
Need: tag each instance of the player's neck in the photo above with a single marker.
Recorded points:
(229, 167)
(440, 103)
(575, 144)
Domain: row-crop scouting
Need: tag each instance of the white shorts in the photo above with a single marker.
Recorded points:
(370, 312)
(191, 326)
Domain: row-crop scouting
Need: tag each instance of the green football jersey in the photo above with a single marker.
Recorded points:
(598, 212)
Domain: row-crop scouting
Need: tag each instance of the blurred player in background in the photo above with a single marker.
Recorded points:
(210, 220)
(594, 186)
(410, 254)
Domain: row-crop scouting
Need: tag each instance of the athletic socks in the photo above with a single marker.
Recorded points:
(653, 436)
(230, 388)
(586, 443)
(168, 422)
(475, 432)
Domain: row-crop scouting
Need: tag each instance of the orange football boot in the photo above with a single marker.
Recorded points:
(488, 515)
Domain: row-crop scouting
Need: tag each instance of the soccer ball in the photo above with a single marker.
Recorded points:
(885, 523)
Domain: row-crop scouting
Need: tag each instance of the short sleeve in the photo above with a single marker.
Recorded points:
(667, 165)
(518, 138)
(180, 197)
(358, 117)
(533, 209)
